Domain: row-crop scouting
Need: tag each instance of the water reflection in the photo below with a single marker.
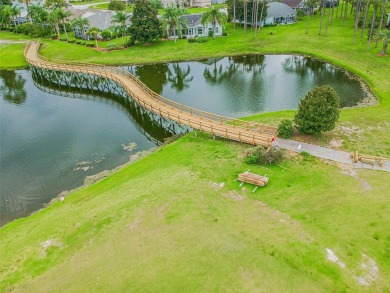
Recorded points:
(243, 85)
(13, 90)
(154, 75)
(179, 77)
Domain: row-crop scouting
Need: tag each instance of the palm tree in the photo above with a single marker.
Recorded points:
(54, 20)
(121, 18)
(384, 36)
(310, 5)
(173, 21)
(377, 4)
(214, 16)
(94, 31)
(63, 16)
(179, 78)
(6, 15)
(81, 23)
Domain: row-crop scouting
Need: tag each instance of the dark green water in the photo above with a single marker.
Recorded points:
(241, 86)
(51, 142)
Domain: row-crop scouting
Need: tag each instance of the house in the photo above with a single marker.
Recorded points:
(218, 2)
(280, 13)
(189, 3)
(294, 4)
(196, 29)
(97, 18)
(200, 3)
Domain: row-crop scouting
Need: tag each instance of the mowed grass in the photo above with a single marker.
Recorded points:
(162, 224)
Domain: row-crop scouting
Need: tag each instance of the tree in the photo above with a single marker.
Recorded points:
(318, 111)
(214, 16)
(116, 5)
(173, 21)
(63, 16)
(121, 18)
(384, 36)
(310, 5)
(94, 31)
(80, 23)
(376, 4)
(54, 19)
(145, 24)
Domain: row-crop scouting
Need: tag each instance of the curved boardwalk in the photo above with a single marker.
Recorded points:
(234, 129)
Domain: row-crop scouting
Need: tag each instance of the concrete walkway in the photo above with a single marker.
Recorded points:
(326, 153)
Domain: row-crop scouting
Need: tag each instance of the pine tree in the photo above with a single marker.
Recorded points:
(145, 25)
(318, 111)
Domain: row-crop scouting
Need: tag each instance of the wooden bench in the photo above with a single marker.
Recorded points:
(254, 179)
(367, 159)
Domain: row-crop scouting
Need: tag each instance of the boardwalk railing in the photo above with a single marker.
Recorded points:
(230, 128)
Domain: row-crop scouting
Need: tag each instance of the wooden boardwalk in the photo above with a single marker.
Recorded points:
(230, 128)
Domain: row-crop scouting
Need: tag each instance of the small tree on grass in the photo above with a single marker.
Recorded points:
(285, 129)
(384, 36)
(145, 25)
(94, 32)
(318, 111)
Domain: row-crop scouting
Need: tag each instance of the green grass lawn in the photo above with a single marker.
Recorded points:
(163, 224)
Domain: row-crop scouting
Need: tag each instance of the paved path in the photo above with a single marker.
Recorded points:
(13, 42)
(326, 153)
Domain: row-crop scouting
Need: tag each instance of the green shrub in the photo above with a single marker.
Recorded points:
(259, 155)
(106, 34)
(72, 41)
(80, 42)
(112, 46)
(225, 34)
(211, 33)
(63, 39)
(90, 44)
(116, 5)
(191, 40)
(285, 129)
(201, 39)
(53, 36)
(318, 111)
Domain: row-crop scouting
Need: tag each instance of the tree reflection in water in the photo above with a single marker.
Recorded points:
(12, 89)
(179, 77)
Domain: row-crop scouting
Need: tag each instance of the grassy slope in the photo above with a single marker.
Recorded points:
(160, 225)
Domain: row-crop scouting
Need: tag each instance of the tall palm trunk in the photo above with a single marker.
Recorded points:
(381, 22)
(372, 24)
(357, 16)
(345, 12)
(245, 15)
(327, 23)
(307, 22)
(384, 49)
(261, 14)
(234, 14)
(322, 15)
(365, 19)
(66, 33)
(341, 10)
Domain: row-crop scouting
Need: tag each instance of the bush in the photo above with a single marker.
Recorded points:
(116, 5)
(201, 40)
(285, 129)
(259, 155)
(53, 36)
(106, 34)
(225, 34)
(63, 39)
(318, 111)
(211, 33)
(90, 44)
(191, 40)
(72, 41)
(112, 46)
(80, 42)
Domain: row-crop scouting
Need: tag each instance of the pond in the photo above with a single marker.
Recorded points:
(51, 139)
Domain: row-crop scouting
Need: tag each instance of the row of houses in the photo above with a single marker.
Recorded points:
(278, 13)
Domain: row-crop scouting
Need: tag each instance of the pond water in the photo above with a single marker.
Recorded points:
(243, 85)
(50, 141)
